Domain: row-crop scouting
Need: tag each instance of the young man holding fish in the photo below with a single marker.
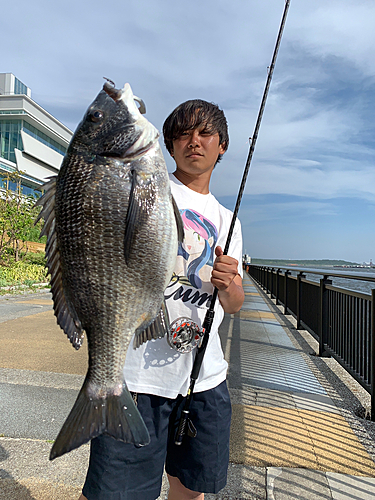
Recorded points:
(158, 373)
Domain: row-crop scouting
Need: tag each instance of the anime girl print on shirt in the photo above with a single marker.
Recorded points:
(194, 261)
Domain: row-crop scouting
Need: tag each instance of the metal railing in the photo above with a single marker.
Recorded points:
(341, 320)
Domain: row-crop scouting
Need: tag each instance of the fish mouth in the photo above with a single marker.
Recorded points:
(148, 133)
(117, 94)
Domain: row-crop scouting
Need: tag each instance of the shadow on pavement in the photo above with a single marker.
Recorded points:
(9, 487)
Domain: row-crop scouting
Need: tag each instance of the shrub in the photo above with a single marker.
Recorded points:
(17, 217)
(38, 258)
(22, 273)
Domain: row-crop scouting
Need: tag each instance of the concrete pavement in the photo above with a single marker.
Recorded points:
(289, 438)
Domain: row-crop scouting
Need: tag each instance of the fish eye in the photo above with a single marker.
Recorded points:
(96, 116)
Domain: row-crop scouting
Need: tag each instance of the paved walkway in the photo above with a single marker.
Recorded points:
(287, 433)
(289, 440)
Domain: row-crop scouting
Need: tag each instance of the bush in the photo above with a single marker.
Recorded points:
(17, 217)
(22, 273)
(33, 234)
(38, 258)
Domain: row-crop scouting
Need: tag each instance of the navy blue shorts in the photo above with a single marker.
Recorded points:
(122, 471)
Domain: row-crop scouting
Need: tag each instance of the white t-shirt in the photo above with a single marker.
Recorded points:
(155, 367)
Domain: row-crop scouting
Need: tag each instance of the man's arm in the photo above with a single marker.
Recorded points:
(227, 280)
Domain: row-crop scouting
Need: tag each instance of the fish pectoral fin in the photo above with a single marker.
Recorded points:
(65, 313)
(141, 205)
(179, 223)
(116, 416)
(156, 330)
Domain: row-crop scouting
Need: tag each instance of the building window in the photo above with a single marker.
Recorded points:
(12, 112)
(27, 188)
(10, 138)
(19, 87)
(40, 136)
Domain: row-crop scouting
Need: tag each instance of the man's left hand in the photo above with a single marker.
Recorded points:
(224, 271)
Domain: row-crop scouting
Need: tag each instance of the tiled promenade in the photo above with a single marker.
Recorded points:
(289, 440)
(286, 430)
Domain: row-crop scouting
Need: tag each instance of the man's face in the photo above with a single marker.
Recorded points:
(196, 151)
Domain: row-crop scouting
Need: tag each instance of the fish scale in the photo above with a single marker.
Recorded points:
(112, 234)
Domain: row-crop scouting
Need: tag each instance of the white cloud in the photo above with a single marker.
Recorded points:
(344, 29)
(317, 135)
(314, 182)
(251, 213)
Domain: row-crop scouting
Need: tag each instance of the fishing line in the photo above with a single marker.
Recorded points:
(185, 425)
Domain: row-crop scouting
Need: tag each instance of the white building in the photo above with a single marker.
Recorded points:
(32, 141)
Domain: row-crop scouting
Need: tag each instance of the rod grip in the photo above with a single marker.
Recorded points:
(181, 431)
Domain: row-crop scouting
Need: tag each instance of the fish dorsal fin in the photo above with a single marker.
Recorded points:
(156, 330)
(179, 223)
(66, 316)
(141, 204)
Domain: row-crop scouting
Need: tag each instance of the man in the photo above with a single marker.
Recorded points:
(158, 374)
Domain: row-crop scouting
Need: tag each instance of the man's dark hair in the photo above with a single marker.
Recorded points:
(192, 114)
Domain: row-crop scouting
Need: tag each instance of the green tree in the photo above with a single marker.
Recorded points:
(17, 216)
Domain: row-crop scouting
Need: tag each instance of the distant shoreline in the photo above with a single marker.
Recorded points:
(311, 263)
(358, 266)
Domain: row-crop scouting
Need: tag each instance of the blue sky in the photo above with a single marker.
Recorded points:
(311, 188)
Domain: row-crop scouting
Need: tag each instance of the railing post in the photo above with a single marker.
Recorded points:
(277, 287)
(287, 273)
(271, 279)
(372, 354)
(323, 324)
(299, 298)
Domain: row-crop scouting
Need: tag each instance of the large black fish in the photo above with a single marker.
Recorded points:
(112, 229)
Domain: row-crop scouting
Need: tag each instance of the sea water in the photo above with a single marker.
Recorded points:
(350, 284)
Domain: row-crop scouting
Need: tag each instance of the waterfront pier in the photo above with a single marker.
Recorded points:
(296, 429)
(339, 317)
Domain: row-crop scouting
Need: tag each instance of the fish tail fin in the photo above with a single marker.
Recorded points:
(116, 416)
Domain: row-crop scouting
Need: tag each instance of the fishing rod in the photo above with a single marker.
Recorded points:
(185, 424)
